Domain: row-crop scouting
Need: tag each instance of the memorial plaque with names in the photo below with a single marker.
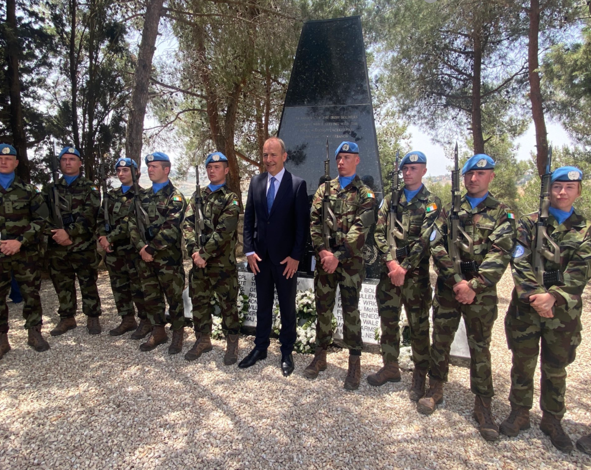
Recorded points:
(329, 97)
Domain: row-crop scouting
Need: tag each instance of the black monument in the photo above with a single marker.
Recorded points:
(329, 96)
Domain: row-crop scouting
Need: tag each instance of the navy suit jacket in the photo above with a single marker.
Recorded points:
(284, 231)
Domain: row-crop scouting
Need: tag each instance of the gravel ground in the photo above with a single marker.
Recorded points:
(98, 402)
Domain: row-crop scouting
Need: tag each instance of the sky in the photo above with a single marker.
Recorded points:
(438, 163)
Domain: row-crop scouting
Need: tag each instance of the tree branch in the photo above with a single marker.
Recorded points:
(180, 90)
(176, 118)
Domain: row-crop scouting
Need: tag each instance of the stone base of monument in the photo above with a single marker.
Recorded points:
(368, 310)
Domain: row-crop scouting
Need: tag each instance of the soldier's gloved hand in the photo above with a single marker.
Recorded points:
(543, 304)
(147, 257)
(329, 262)
(464, 293)
(103, 242)
(198, 260)
(61, 237)
(10, 247)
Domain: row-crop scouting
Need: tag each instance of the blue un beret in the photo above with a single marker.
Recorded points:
(413, 157)
(215, 157)
(157, 157)
(70, 151)
(7, 149)
(347, 147)
(567, 173)
(125, 162)
(479, 161)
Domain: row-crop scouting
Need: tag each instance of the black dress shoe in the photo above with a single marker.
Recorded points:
(252, 358)
(287, 364)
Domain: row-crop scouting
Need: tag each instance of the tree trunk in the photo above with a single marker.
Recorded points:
(89, 155)
(535, 94)
(74, 74)
(17, 122)
(476, 95)
(139, 100)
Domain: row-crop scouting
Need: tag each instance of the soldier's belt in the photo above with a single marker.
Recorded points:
(551, 278)
(469, 267)
(401, 253)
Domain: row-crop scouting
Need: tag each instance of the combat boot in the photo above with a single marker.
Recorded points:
(231, 355)
(482, 414)
(144, 328)
(128, 323)
(353, 374)
(518, 420)
(65, 324)
(176, 346)
(4, 344)
(318, 364)
(584, 444)
(202, 345)
(389, 373)
(550, 425)
(433, 397)
(36, 340)
(158, 337)
(417, 389)
(94, 326)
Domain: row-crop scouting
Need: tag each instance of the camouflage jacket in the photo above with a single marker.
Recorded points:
(220, 216)
(23, 215)
(574, 239)
(119, 206)
(418, 218)
(354, 209)
(492, 228)
(165, 211)
(82, 201)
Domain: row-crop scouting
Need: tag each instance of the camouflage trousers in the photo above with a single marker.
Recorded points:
(559, 337)
(349, 278)
(161, 280)
(203, 285)
(125, 282)
(26, 269)
(415, 295)
(64, 267)
(479, 317)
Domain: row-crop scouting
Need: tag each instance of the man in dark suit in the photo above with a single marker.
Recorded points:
(276, 224)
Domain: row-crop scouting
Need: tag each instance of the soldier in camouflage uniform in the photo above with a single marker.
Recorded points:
(161, 265)
(550, 312)
(214, 259)
(121, 257)
(23, 213)
(404, 278)
(471, 294)
(341, 263)
(71, 250)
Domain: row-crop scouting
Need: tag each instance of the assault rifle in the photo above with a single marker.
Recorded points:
(545, 247)
(103, 180)
(141, 216)
(396, 228)
(329, 221)
(199, 220)
(458, 239)
(54, 195)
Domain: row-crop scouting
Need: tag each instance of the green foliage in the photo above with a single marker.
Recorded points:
(567, 72)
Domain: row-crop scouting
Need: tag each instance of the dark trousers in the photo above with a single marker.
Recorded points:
(269, 278)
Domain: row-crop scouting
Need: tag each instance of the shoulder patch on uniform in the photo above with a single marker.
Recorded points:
(370, 194)
(433, 235)
(431, 207)
(177, 198)
(94, 188)
(234, 202)
(510, 215)
(518, 251)
(381, 203)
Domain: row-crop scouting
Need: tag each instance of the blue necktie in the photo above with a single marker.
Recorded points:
(271, 194)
